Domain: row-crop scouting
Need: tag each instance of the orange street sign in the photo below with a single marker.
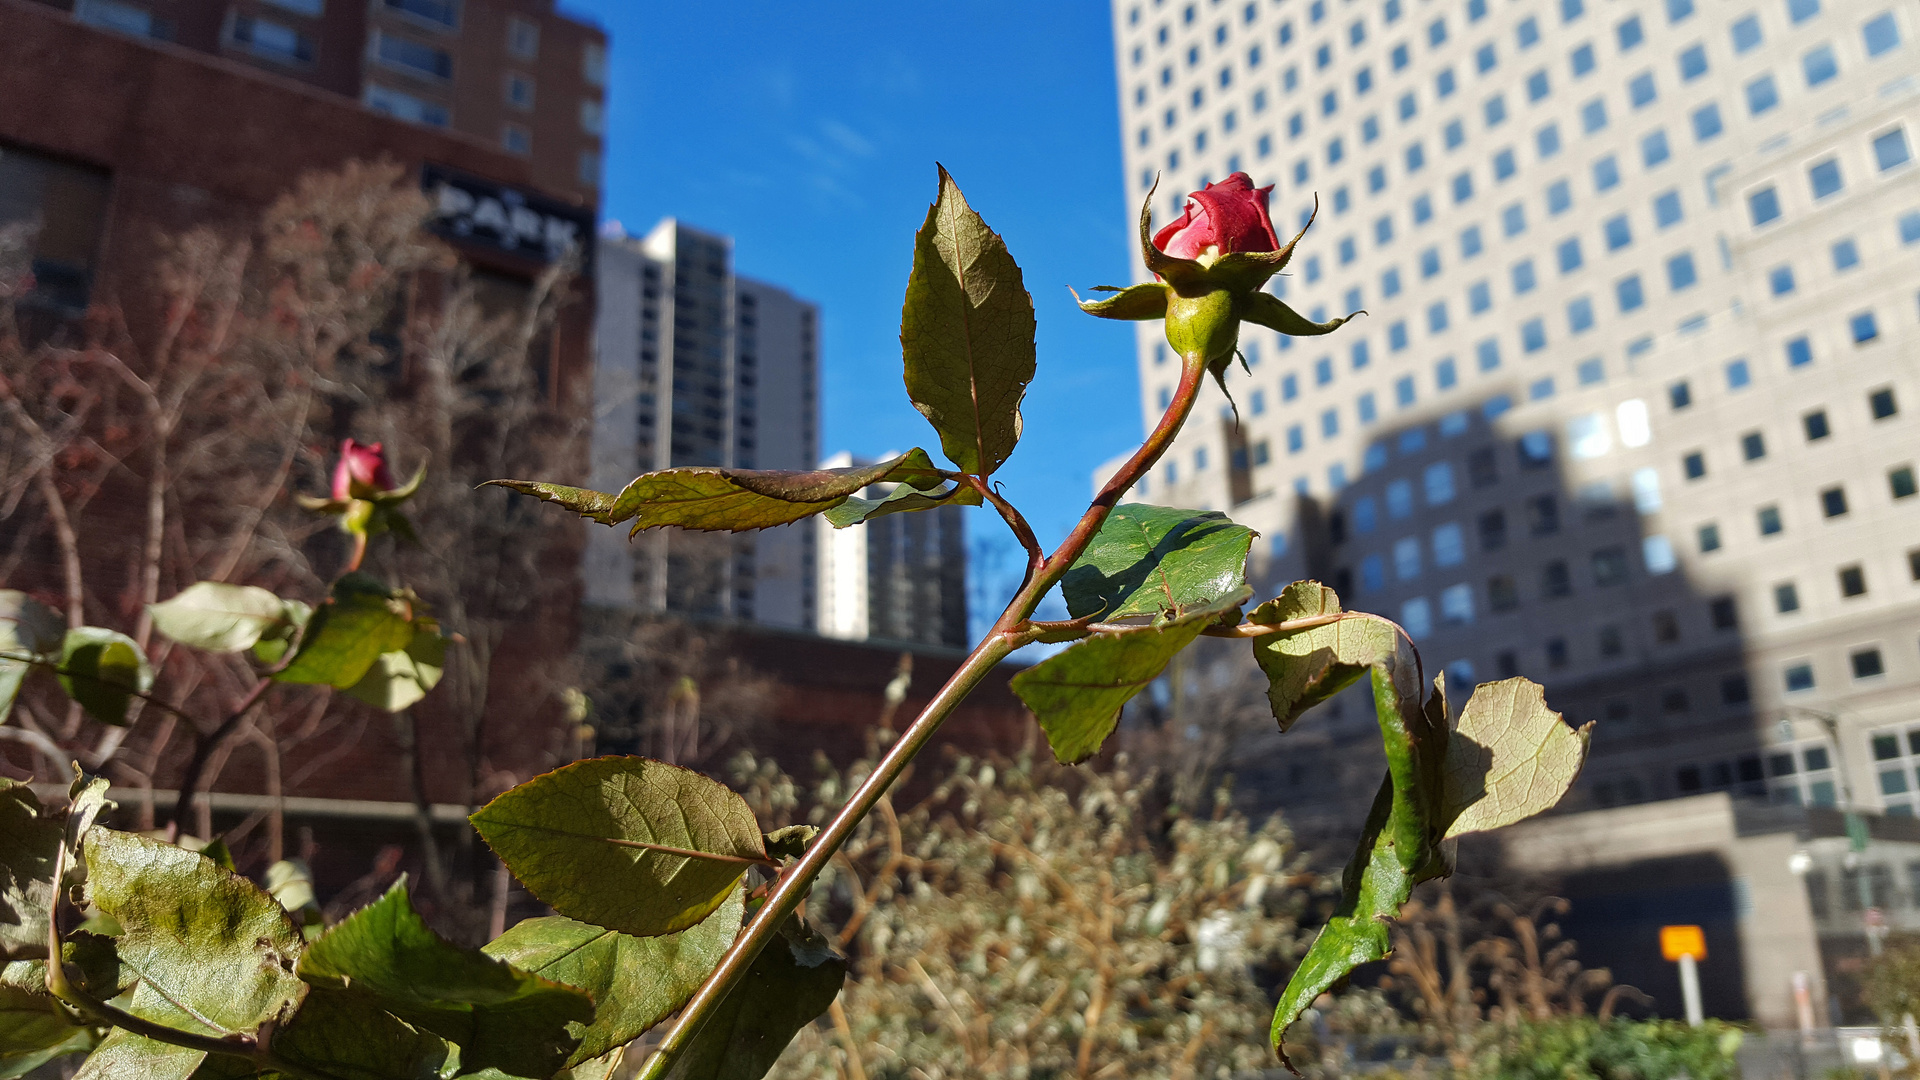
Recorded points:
(1679, 941)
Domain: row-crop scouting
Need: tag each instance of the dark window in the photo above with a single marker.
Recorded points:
(1901, 482)
(1816, 424)
(1502, 595)
(62, 207)
(1687, 778)
(1769, 520)
(1493, 530)
(1556, 652)
(1786, 598)
(1610, 643)
(1536, 450)
(1853, 581)
(1482, 468)
(1610, 566)
(1833, 501)
(1666, 628)
(1734, 691)
(1694, 465)
(1753, 446)
(1726, 615)
(1543, 515)
(1555, 579)
(1881, 403)
(1680, 395)
(1675, 701)
(1867, 664)
(1913, 569)
(1886, 747)
(1507, 664)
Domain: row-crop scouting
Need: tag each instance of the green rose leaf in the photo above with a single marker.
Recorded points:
(29, 843)
(338, 1033)
(27, 628)
(1077, 694)
(1134, 303)
(502, 1017)
(212, 953)
(790, 842)
(731, 500)
(1152, 560)
(1263, 309)
(967, 334)
(1399, 847)
(218, 617)
(282, 635)
(123, 1055)
(902, 499)
(1306, 667)
(1510, 758)
(34, 1031)
(638, 981)
(793, 980)
(627, 843)
(102, 669)
(400, 678)
(348, 634)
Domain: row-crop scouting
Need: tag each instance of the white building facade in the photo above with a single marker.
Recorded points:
(697, 366)
(902, 577)
(1633, 411)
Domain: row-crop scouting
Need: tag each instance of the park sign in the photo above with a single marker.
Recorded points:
(477, 212)
(1679, 941)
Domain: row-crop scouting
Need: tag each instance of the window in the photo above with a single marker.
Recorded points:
(1709, 538)
(1901, 483)
(1582, 60)
(1867, 664)
(1479, 297)
(1815, 425)
(1853, 581)
(516, 139)
(1580, 314)
(1503, 165)
(1430, 262)
(1470, 242)
(1820, 66)
(1768, 518)
(1653, 149)
(1444, 84)
(1910, 227)
(1881, 33)
(1753, 446)
(1846, 255)
(1609, 566)
(1746, 34)
(1555, 581)
(1523, 278)
(1606, 174)
(1630, 293)
(1535, 450)
(1547, 140)
(1693, 63)
(1617, 232)
(1568, 254)
(1786, 598)
(1863, 327)
(1630, 33)
(1397, 336)
(1559, 197)
(441, 12)
(1487, 355)
(1513, 220)
(1694, 465)
(1456, 608)
(1537, 86)
(1680, 395)
(1890, 150)
(1492, 527)
(1799, 677)
(1762, 95)
(412, 56)
(1738, 376)
(1802, 10)
(1593, 115)
(1799, 352)
(1881, 404)
(1484, 58)
(1666, 208)
(1417, 617)
(523, 39)
(1680, 271)
(125, 18)
(1296, 439)
(1640, 90)
(1390, 282)
(519, 91)
(1825, 178)
(1706, 122)
(1763, 206)
(385, 99)
(1780, 280)
(1437, 33)
(1330, 423)
(1833, 501)
(1436, 317)
(1533, 335)
(265, 37)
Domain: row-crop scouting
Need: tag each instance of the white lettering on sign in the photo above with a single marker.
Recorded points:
(504, 219)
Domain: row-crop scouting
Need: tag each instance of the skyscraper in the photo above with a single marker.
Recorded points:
(1632, 411)
(513, 73)
(696, 366)
(900, 577)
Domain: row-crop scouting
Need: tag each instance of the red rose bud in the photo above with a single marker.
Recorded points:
(1231, 216)
(361, 472)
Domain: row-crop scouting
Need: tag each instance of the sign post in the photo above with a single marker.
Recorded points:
(1686, 945)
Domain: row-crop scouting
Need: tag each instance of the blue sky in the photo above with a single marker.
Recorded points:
(809, 133)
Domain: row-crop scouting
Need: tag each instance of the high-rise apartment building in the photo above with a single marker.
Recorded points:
(1632, 411)
(697, 366)
(512, 73)
(902, 577)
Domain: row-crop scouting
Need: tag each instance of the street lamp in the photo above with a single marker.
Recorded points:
(1856, 825)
